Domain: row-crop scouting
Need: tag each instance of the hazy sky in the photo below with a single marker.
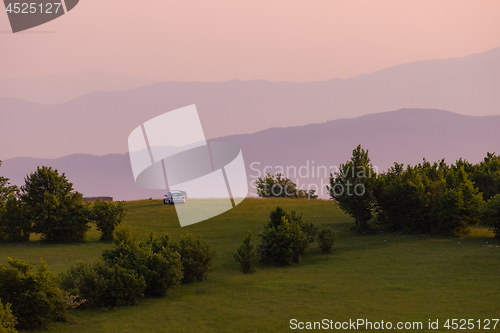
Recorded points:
(278, 40)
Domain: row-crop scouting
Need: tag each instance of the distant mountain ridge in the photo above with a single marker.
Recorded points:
(405, 136)
(56, 89)
(100, 122)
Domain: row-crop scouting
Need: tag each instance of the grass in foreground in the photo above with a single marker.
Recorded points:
(376, 277)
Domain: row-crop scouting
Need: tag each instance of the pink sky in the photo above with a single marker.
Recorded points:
(278, 40)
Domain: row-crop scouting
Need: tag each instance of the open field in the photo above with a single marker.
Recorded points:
(376, 277)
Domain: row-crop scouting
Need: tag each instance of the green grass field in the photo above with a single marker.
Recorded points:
(376, 277)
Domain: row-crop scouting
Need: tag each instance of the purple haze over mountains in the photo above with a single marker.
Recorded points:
(405, 136)
(99, 123)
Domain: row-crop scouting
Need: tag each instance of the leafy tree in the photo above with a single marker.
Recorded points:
(14, 226)
(352, 187)
(54, 208)
(196, 256)
(6, 190)
(7, 320)
(106, 216)
(246, 256)
(490, 214)
(326, 238)
(406, 198)
(35, 296)
(458, 206)
(280, 186)
(486, 176)
(428, 198)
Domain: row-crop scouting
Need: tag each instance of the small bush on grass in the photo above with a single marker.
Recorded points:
(283, 244)
(285, 238)
(154, 260)
(326, 238)
(196, 256)
(103, 285)
(490, 214)
(246, 256)
(7, 320)
(35, 296)
(308, 227)
(106, 216)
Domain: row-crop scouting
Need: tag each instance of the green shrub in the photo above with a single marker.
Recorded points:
(283, 244)
(106, 216)
(309, 228)
(154, 260)
(7, 320)
(490, 214)
(196, 256)
(246, 256)
(326, 238)
(280, 186)
(285, 238)
(54, 208)
(35, 296)
(103, 285)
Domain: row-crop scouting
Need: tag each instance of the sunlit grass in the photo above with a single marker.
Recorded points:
(377, 277)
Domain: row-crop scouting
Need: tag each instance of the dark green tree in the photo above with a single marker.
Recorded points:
(106, 216)
(490, 214)
(486, 176)
(54, 208)
(406, 198)
(246, 255)
(459, 205)
(14, 225)
(352, 187)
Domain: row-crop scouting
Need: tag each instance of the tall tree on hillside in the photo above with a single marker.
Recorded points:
(352, 187)
(54, 207)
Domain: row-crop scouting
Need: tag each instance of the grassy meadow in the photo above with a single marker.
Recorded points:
(376, 277)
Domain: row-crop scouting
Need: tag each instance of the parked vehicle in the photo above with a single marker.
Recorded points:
(184, 193)
(175, 197)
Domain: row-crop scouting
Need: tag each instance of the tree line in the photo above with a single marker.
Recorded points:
(48, 205)
(424, 198)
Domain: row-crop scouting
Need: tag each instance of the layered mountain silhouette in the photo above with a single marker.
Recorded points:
(99, 123)
(405, 136)
(57, 89)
